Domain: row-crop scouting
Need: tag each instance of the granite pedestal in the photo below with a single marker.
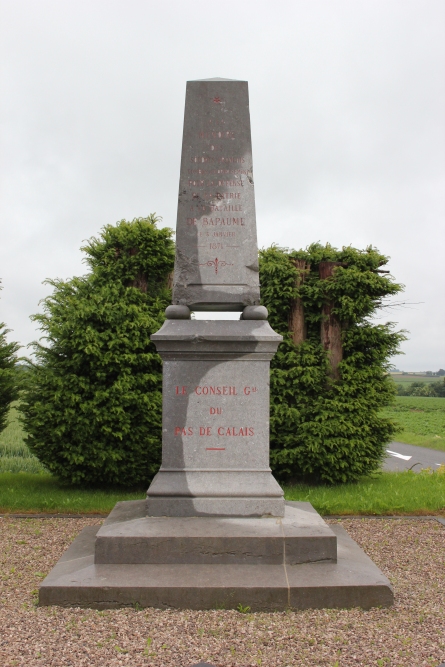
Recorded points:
(215, 420)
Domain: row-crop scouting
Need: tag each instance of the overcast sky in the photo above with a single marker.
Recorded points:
(347, 101)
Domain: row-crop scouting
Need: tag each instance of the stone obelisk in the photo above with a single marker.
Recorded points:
(216, 264)
(215, 434)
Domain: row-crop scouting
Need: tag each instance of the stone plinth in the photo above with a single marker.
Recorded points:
(215, 420)
(260, 574)
(300, 537)
(216, 265)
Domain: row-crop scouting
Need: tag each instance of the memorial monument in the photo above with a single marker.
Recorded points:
(215, 530)
(215, 434)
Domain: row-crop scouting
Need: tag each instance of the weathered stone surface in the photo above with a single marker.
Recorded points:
(300, 537)
(127, 510)
(216, 264)
(166, 586)
(237, 336)
(177, 312)
(354, 581)
(215, 420)
(254, 313)
(211, 505)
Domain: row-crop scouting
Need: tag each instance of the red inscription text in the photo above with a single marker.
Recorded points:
(234, 431)
(179, 430)
(215, 391)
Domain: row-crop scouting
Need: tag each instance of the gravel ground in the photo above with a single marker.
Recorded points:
(410, 634)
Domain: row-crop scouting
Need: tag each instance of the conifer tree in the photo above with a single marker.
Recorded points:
(8, 374)
(325, 422)
(92, 405)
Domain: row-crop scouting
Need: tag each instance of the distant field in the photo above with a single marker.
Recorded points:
(409, 379)
(422, 419)
(14, 454)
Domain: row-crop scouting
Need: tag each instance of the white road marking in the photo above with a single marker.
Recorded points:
(399, 456)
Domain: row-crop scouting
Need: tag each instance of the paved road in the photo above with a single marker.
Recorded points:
(404, 457)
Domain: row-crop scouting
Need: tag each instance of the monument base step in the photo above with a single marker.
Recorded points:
(128, 536)
(219, 506)
(252, 493)
(352, 581)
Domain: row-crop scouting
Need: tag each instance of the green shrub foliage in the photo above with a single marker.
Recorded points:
(323, 429)
(92, 405)
(8, 374)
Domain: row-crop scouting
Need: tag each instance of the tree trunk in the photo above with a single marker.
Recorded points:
(330, 325)
(297, 324)
(140, 280)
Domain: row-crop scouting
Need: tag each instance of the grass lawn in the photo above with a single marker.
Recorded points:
(386, 493)
(422, 419)
(43, 493)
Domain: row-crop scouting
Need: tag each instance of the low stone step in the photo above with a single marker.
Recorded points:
(353, 581)
(128, 536)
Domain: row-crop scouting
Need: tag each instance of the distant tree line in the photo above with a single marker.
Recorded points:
(439, 373)
(433, 389)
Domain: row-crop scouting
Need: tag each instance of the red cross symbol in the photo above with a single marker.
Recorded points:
(217, 100)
